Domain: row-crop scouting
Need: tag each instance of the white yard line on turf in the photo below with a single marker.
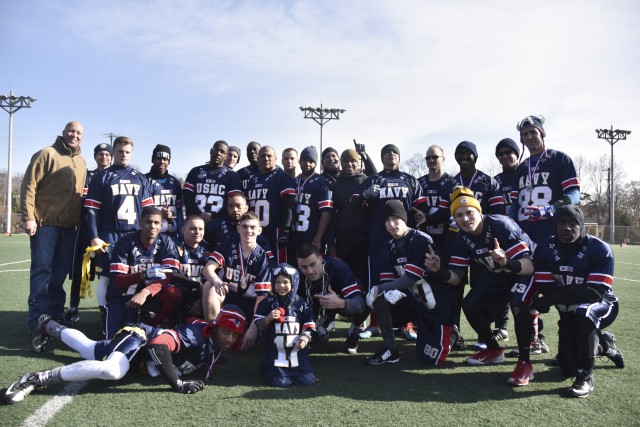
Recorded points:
(13, 271)
(628, 280)
(626, 263)
(14, 262)
(47, 411)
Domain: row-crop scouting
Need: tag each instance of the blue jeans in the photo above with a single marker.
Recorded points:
(51, 256)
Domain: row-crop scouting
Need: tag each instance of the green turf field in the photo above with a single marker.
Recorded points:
(347, 392)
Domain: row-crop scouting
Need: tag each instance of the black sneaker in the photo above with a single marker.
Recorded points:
(353, 338)
(581, 387)
(71, 317)
(459, 342)
(22, 388)
(612, 351)
(39, 342)
(384, 355)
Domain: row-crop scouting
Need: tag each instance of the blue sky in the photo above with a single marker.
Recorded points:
(414, 73)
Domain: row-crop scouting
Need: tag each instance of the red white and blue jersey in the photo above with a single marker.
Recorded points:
(168, 192)
(131, 256)
(437, 194)
(218, 230)
(192, 260)
(506, 181)
(338, 276)
(486, 190)
(249, 278)
(468, 248)
(195, 346)
(282, 356)
(406, 258)
(118, 196)
(540, 181)
(266, 194)
(592, 263)
(313, 197)
(212, 187)
(246, 173)
(90, 175)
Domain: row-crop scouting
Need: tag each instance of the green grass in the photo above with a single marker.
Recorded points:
(347, 392)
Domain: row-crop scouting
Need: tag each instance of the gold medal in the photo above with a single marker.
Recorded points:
(243, 285)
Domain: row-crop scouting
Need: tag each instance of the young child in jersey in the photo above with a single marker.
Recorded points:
(286, 321)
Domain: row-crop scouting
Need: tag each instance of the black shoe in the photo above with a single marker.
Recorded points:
(581, 387)
(71, 317)
(22, 388)
(353, 339)
(39, 342)
(612, 351)
(384, 355)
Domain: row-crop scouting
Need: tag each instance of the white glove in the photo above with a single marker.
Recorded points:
(372, 296)
(154, 273)
(394, 296)
(373, 191)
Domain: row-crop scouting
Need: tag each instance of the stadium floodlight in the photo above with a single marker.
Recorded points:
(612, 136)
(11, 104)
(321, 116)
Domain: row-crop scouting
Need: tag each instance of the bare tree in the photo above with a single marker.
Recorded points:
(416, 166)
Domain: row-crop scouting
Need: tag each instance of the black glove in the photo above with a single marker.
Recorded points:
(284, 237)
(542, 304)
(584, 294)
(360, 149)
(188, 386)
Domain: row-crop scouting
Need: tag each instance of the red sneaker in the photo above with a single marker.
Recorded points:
(522, 373)
(487, 356)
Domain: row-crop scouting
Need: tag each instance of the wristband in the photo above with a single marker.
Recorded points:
(443, 274)
(514, 265)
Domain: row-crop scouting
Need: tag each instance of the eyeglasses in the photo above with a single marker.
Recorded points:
(284, 269)
(427, 158)
(504, 153)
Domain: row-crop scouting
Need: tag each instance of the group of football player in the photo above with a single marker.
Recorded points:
(182, 265)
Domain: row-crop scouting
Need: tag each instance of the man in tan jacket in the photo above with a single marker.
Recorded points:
(51, 202)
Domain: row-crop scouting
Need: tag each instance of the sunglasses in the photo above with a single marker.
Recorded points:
(427, 158)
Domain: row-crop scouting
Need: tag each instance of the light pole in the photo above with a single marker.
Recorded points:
(321, 116)
(612, 136)
(11, 104)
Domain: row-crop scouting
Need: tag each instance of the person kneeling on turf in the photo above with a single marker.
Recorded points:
(408, 291)
(173, 352)
(286, 321)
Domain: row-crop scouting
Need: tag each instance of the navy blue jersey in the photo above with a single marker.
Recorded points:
(211, 187)
(436, 194)
(338, 276)
(331, 179)
(486, 190)
(540, 181)
(266, 194)
(218, 230)
(131, 256)
(90, 175)
(506, 181)
(118, 195)
(282, 356)
(467, 248)
(406, 258)
(168, 192)
(192, 260)
(195, 346)
(591, 264)
(313, 197)
(250, 278)
(246, 173)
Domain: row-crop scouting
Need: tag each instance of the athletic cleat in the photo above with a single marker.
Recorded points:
(538, 346)
(409, 333)
(384, 355)
(353, 338)
(479, 345)
(487, 356)
(371, 331)
(501, 334)
(458, 344)
(612, 351)
(71, 317)
(522, 374)
(22, 388)
(39, 342)
(581, 387)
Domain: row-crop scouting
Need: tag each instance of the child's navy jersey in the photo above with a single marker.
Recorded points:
(406, 258)
(486, 190)
(249, 278)
(540, 181)
(313, 197)
(467, 248)
(131, 256)
(118, 195)
(282, 356)
(212, 187)
(168, 192)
